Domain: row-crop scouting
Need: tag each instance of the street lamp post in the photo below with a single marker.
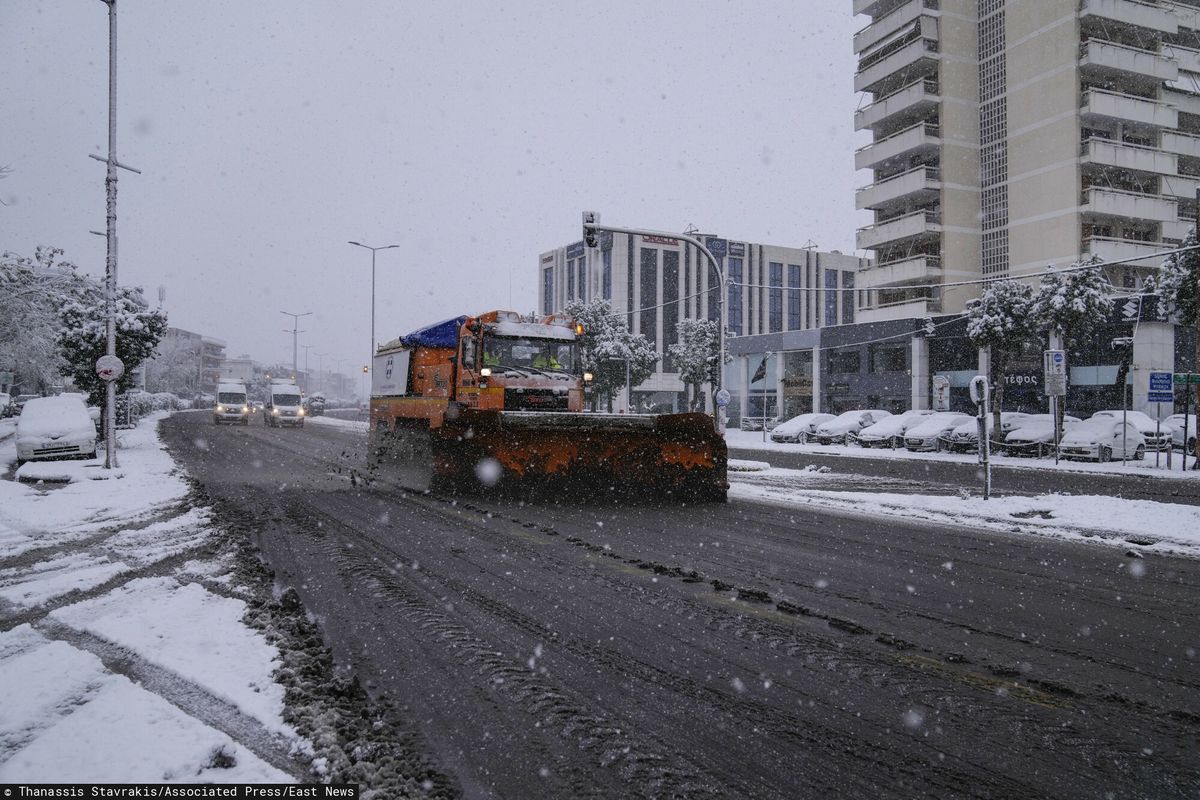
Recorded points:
(295, 332)
(321, 372)
(307, 379)
(371, 352)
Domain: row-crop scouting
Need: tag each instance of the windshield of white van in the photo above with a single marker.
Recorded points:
(231, 398)
(287, 399)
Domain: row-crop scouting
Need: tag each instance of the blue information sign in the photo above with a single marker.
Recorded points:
(1161, 388)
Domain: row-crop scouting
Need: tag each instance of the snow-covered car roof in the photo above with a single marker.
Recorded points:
(1142, 420)
(801, 422)
(936, 423)
(55, 416)
(1039, 425)
(1091, 430)
(849, 420)
(895, 424)
(1008, 419)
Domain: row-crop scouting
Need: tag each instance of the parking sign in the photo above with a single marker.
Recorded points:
(1161, 388)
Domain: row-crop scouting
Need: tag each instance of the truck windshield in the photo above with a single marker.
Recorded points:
(523, 353)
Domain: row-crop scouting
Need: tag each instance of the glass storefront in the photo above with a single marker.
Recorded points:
(797, 383)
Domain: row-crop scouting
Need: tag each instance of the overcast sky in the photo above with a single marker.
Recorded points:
(471, 134)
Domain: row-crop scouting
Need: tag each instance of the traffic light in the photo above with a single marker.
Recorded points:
(590, 236)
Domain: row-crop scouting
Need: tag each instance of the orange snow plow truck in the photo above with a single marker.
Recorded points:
(495, 399)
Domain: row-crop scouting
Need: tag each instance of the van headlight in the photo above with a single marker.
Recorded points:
(245, 409)
(275, 411)
(220, 408)
(300, 413)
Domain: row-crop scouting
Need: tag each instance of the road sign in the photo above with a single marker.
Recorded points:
(6, 378)
(722, 398)
(1054, 367)
(1182, 378)
(941, 393)
(109, 368)
(1161, 389)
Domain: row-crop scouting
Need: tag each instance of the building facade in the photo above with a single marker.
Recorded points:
(1007, 135)
(185, 363)
(657, 281)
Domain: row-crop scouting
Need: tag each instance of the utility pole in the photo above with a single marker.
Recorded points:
(371, 352)
(295, 332)
(110, 271)
(307, 380)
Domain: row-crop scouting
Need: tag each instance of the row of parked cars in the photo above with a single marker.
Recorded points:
(1102, 437)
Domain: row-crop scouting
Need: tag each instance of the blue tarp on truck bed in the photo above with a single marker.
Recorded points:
(440, 334)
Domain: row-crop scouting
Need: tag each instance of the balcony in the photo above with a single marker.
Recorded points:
(1109, 249)
(1178, 229)
(920, 138)
(1184, 186)
(1112, 61)
(1187, 58)
(1185, 144)
(909, 226)
(1130, 205)
(913, 101)
(1133, 157)
(915, 269)
(874, 8)
(917, 186)
(895, 20)
(1128, 108)
(915, 59)
(1130, 12)
(1182, 100)
(1185, 16)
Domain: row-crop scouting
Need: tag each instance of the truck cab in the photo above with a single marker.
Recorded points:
(505, 364)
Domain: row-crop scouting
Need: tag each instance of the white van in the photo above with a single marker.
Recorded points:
(285, 405)
(233, 404)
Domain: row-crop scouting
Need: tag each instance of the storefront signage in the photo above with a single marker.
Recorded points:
(575, 250)
(548, 258)
(659, 240)
(716, 246)
(737, 249)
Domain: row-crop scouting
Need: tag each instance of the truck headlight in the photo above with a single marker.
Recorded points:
(587, 377)
(486, 372)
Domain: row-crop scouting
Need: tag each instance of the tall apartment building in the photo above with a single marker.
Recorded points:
(1011, 134)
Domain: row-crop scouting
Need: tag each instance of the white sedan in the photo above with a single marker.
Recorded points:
(1157, 434)
(1177, 423)
(843, 425)
(928, 434)
(55, 427)
(798, 429)
(1103, 438)
(889, 431)
(966, 436)
(1035, 435)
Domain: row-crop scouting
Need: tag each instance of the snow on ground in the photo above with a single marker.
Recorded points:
(66, 716)
(35, 516)
(753, 440)
(334, 422)
(1155, 527)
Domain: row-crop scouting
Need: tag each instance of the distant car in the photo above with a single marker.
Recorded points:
(929, 432)
(965, 438)
(1034, 435)
(55, 427)
(798, 428)
(851, 422)
(1103, 438)
(5, 404)
(1176, 421)
(889, 431)
(1158, 435)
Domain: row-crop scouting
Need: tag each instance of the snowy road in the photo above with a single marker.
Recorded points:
(742, 650)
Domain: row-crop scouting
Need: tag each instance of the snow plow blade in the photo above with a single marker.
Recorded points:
(678, 455)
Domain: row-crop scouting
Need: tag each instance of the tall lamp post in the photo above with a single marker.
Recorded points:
(371, 352)
(321, 372)
(295, 332)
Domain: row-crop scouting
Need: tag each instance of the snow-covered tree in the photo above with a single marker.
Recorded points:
(83, 336)
(1073, 303)
(695, 354)
(1177, 285)
(174, 367)
(32, 290)
(606, 346)
(1003, 322)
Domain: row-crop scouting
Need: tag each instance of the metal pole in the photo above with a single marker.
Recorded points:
(1158, 431)
(1187, 402)
(295, 334)
(110, 277)
(628, 390)
(371, 350)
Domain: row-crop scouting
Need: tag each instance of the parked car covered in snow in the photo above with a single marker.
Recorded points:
(847, 424)
(55, 427)
(1103, 438)
(965, 438)
(1034, 436)
(889, 431)
(799, 428)
(757, 423)
(1158, 435)
(5, 404)
(1177, 423)
(929, 432)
